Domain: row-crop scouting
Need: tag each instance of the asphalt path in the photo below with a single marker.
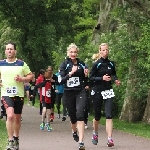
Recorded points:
(60, 138)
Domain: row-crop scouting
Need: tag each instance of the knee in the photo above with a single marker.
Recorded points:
(97, 118)
(44, 110)
(17, 119)
(80, 116)
(10, 117)
(97, 115)
(73, 121)
(108, 117)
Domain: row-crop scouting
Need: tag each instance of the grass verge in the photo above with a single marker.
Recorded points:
(138, 129)
(3, 135)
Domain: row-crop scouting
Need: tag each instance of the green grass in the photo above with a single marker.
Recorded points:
(3, 135)
(137, 129)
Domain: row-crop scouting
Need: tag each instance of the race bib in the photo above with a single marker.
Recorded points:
(11, 90)
(108, 94)
(73, 81)
(48, 93)
(32, 87)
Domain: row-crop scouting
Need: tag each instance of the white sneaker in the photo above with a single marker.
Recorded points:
(33, 107)
(28, 104)
(58, 116)
(86, 126)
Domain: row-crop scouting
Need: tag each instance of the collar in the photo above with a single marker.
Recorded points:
(11, 61)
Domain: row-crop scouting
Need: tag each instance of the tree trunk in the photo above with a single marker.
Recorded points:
(133, 107)
(146, 117)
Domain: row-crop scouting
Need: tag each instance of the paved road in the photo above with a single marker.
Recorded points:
(32, 138)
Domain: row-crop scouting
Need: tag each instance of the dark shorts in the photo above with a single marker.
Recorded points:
(27, 88)
(15, 102)
(47, 105)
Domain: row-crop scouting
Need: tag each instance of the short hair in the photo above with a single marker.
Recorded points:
(12, 43)
(42, 71)
(72, 45)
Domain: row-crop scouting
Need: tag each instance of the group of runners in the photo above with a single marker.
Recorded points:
(76, 80)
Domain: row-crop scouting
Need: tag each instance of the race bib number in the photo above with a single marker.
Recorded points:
(108, 94)
(73, 81)
(32, 87)
(48, 93)
(11, 90)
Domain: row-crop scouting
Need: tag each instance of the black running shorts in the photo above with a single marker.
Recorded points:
(15, 102)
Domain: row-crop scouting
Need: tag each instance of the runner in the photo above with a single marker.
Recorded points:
(87, 109)
(74, 75)
(46, 100)
(32, 85)
(14, 73)
(27, 87)
(59, 98)
(54, 82)
(103, 73)
(39, 80)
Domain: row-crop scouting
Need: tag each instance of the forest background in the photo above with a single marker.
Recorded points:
(43, 29)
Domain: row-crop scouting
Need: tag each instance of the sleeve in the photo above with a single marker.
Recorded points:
(26, 69)
(82, 64)
(114, 76)
(63, 77)
(93, 71)
(39, 79)
(39, 85)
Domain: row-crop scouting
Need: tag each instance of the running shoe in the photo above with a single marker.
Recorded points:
(67, 114)
(75, 136)
(49, 128)
(86, 126)
(63, 118)
(58, 116)
(81, 146)
(42, 126)
(10, 145)
(95, 138)
(110, 143)
(16, 144)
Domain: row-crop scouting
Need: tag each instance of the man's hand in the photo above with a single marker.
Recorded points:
(19, 78)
